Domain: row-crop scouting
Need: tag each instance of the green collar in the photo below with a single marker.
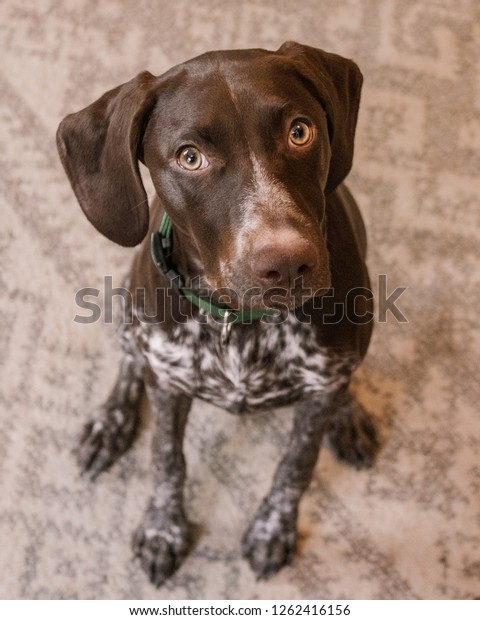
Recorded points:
(162, 248)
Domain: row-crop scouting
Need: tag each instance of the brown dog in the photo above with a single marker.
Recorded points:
(247, 151)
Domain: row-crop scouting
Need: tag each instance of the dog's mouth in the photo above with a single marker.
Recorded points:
(277, 299)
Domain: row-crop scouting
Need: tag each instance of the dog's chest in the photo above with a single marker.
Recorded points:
(263, 366)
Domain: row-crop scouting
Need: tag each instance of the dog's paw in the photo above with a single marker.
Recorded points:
(161, 543)
(270, 541)
(106, 437)
(354, 437)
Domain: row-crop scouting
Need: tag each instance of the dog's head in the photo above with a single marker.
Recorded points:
(242, 147)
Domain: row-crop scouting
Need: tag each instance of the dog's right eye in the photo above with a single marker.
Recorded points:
(300, 133)
(190, 158)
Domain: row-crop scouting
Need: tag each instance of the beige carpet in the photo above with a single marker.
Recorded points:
(410, 528)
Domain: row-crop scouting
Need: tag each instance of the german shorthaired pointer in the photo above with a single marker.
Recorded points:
(253, 293)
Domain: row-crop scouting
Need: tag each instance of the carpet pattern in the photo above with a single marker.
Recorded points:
(410, 527)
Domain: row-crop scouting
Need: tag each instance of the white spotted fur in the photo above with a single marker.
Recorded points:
(264, 366)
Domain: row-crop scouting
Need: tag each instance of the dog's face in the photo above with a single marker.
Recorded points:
(242, 148)
(239, 154)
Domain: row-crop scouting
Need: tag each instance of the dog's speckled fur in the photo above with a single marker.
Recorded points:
(264, 365)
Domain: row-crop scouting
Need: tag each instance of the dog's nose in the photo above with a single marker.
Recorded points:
(282, 258)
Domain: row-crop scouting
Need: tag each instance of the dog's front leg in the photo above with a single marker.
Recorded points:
(269, 543)
(162, 540)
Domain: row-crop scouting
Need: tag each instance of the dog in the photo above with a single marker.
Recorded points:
(251, 267)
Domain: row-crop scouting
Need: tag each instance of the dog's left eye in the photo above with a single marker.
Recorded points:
(299, 133)
(191, 158)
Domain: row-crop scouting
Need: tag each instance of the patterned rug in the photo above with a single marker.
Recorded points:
(410, 527)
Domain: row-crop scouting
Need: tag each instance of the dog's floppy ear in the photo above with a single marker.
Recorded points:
(337, 83)
(99, 148)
